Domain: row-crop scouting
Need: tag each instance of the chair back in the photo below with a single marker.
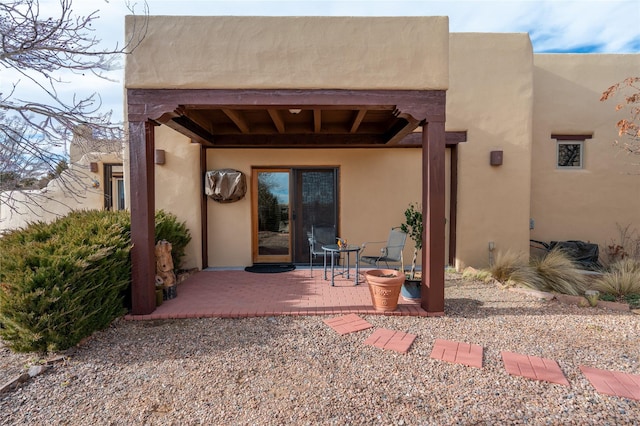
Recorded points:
(322, 235)
(395, 245)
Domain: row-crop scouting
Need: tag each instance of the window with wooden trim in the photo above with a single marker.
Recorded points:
(570, 151)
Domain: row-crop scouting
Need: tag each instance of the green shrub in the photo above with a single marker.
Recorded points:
(62, 281)
(633, 300)
(168, 228)
(622, 279)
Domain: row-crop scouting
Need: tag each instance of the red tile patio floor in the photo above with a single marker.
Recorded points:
(237, 294)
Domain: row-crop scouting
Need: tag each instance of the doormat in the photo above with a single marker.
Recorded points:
(270, 268)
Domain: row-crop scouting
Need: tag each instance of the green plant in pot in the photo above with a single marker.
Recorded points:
(412, 226)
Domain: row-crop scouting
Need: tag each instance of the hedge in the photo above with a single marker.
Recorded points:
(62, 281)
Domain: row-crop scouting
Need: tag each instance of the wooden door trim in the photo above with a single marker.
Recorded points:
(255, 257)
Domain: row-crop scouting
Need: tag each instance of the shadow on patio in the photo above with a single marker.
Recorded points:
(239, 294)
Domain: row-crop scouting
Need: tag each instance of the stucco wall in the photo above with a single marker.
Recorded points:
(227, 52)
(490, 96)
(375, 187)
(178, 187)
(581, 204)
(77, 189)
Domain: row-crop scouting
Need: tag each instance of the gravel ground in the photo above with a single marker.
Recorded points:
(297, 371)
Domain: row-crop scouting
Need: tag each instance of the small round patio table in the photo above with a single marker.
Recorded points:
(335, 248)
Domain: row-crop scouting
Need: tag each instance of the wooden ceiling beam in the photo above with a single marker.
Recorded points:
(187, 127)
(237, 118)
(317, 120)
(401, 130)
(309, 140)
(276, 117)
(198, 119)
(451, 138)
(283, 107)
(358, 120)
(146, 104)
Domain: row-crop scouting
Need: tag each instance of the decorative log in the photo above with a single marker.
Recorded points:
(164, 264)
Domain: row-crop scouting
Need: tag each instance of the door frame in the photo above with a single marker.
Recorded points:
(255, 255)
(295, 217)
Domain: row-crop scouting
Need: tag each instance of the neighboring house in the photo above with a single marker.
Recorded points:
(330, 113)
(93, 181)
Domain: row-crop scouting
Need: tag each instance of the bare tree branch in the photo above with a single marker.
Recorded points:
(34, 133)
(629, 90)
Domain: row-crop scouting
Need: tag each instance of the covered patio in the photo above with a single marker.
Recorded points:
(261, 86)
(240, 294)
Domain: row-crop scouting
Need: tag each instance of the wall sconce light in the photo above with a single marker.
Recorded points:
(495, 158)
(93, 167)
(95, 183)
(295, 110)
(159, 156)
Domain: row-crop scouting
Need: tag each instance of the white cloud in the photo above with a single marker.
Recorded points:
(609, 26)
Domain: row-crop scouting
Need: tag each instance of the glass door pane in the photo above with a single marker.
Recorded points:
(316, 205)
(272, 236)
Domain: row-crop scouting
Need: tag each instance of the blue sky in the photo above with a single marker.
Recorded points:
(554, 26)
(610, 26)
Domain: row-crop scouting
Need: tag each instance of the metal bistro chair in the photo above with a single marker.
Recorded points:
(321, 235)
(390, 253)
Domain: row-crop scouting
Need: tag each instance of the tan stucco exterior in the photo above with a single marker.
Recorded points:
(77, 188)
(502, 94)
(505, 97)
(583, 204)
(491, 96)
(370, 202)
(178, 187)
(228, 52)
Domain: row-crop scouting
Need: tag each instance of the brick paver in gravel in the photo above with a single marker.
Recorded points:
(393, 340)
(613, 382)
(533, 367)
(347, 323)
(457, 352)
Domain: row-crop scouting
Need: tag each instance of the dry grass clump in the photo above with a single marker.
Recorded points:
(560, 273)
(506, 264)
(527, 276)
(554, 272)
(476, 274)
(622, 279)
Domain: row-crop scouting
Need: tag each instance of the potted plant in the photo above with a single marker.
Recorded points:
(412, 226)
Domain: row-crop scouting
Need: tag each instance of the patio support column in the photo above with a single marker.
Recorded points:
(142, 190)
(204, 215)
(433, 218)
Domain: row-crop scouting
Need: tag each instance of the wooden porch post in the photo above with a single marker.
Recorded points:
(142, 191)
(204, 227)
(433, 201)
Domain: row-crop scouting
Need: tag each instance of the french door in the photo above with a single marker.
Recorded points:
(286, 203)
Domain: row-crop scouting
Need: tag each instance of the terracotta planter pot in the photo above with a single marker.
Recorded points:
(384, 287)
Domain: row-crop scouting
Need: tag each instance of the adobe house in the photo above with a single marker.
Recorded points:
(93, 181)
(348, 120)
